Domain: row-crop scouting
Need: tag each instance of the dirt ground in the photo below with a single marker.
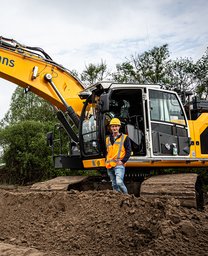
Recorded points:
(100, 223)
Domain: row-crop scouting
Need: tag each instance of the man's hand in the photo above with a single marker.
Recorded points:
(119, 162)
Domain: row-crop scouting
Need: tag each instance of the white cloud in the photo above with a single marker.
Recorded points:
(78, 32)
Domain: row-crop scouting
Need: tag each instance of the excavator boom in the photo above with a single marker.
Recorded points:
(32, 69)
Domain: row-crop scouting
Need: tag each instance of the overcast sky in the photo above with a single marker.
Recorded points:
(76, 33)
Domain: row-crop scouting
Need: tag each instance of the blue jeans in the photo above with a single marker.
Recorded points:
(116, 175)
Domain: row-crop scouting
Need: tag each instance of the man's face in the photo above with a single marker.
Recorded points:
(115, 128)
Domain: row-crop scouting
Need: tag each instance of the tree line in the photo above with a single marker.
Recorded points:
(23, 129)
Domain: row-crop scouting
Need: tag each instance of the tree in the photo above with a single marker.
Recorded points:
(26, 154)
(147, 68)
(201, 75)
(28, 107)
(151, 65)
(180, 76)
(23, 138)
(125, 73)
(94, 73)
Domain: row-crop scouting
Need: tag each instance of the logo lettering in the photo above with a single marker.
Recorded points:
(11, 63)
(7, 62)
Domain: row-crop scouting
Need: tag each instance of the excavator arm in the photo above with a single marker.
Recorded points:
(34, 70)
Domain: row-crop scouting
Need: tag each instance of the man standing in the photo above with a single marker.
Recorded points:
(118, 147)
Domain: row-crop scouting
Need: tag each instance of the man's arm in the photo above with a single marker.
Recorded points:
(127, 146)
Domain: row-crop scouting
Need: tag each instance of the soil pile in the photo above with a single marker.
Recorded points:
(101, 223)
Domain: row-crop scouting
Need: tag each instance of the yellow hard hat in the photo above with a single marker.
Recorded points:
(115, 121)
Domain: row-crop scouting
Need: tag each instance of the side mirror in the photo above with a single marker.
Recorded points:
(104, 102)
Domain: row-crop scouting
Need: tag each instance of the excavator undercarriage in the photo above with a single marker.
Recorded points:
(188, 188)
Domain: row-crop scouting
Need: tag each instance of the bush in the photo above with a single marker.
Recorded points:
(26, 154)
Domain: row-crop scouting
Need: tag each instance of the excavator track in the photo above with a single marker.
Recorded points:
(180, 186)
(66, 183)
(58, 183)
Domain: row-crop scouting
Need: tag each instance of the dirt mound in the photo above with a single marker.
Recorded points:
(97, 223)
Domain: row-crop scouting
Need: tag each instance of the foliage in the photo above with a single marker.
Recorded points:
(155, 67)
(94, 73)
(28, 107)
(180, 73)
(125, 73)
(201, 75)
(151, 65)
(146, 68)
(26, 154)
(180, 76)
(23, 135)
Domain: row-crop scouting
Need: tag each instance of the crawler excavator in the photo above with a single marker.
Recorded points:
(154, 118)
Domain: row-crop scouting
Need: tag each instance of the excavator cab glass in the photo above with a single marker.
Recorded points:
(165, 107)
(169, 128)
(90, 129)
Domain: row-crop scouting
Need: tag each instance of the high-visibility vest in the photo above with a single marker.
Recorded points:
(115, 152)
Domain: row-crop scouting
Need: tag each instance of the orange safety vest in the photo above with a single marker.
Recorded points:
(115, 152)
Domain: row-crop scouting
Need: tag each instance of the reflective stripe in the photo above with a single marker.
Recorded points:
(116, 142)
(108, 143)
(111, 160)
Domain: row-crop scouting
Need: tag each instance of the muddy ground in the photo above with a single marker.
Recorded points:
(98, 223)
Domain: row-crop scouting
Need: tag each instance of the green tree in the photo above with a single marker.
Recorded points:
(23, 138)
(201, 75)
(94, 73)
(151, 65)
(28, 107)
(146, 68)
(26, 154)
(180, 76)
(125, 73)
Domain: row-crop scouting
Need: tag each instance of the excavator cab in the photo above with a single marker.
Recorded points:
(154, 120)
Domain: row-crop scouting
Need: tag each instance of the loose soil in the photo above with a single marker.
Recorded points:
(98, 223)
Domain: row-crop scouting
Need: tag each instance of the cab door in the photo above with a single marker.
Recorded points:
(90, 129)
(168, 124)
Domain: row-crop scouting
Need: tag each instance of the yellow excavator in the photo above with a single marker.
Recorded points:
(163, 133)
